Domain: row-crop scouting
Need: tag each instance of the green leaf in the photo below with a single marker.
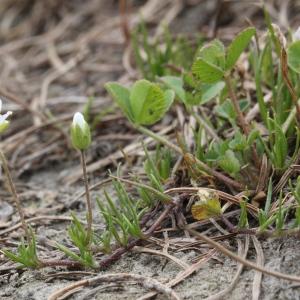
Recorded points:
(148, 102)
(176, 84)
(210, 91)
(237, 46)
(121, 95)
(226, 110)
(229, 163)
(239, 143)
(207, 72)
(294, 56)
(213, 53)
(192, 88)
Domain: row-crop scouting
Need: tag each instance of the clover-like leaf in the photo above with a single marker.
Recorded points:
(176, 84)
(207, 72)
(229, 163)
(213, 53)
(226, 110)
(149, 102)
(210, 91)
(293, 53)
(208, 205)
(121, 95)
(239, 143)
(237, 46)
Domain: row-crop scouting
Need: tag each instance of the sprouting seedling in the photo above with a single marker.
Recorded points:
(81, 140)
(79, 237)
(26, 254)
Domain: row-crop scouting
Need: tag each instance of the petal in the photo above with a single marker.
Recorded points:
(78, 119)
(4, 117)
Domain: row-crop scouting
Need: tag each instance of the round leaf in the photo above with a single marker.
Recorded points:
(148, 102)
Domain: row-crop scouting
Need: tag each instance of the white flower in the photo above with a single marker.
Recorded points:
(80, 132)
(3, 119)
(296, 35)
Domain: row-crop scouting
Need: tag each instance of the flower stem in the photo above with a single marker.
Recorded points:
(15, 195)
(88, 198)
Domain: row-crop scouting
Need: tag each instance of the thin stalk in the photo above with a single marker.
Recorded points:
(159, 138)
(15, 195)
(88, 198)
(241, 118)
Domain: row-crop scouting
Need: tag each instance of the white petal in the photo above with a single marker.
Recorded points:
(4, 117)
(78, 119)
(0, 105)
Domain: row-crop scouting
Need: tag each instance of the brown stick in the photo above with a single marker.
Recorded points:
(146, 282)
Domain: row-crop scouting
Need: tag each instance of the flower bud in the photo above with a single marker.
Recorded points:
(3, 119)
(80, 132)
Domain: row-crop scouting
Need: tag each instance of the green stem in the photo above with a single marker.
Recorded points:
(159, 138)
(15, 195)
(88, 198)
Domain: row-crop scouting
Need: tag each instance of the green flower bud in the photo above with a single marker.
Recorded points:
(80, 132)
(3, 122)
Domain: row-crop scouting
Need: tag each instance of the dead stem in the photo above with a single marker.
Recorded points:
(146, 282)
(15, 195)
(88, 198)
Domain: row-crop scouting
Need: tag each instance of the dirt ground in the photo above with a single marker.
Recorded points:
(55, 54)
